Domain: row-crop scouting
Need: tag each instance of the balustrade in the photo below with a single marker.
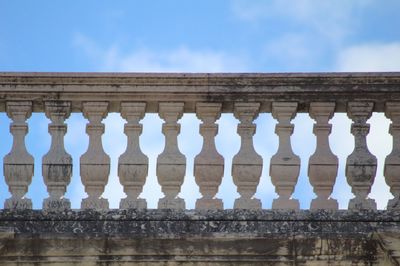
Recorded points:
(57, 163)
(246, 96)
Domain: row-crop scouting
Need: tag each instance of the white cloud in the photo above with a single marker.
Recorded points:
(370, 57)
(179, 59)
(294, 51)
(329, 18)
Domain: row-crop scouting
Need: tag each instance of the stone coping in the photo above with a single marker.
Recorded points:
(196, 215)
(168, 224)
(191, 88)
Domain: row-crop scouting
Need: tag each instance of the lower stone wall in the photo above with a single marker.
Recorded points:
(228, 237)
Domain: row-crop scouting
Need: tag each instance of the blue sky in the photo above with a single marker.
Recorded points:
(200, 36)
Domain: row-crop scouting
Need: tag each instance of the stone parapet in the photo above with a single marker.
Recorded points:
(171, 235)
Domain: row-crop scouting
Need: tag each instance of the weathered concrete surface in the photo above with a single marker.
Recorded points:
(221, 237)
(190, 88)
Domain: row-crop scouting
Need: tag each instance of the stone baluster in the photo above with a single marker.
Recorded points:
(171, 163)
(208, 164)
(57, 163)
(18, 164)
(95, 163)
(246, 164)
(133, 164)
(360, 164)
(323, 164)
(285, 165)
(392, 161)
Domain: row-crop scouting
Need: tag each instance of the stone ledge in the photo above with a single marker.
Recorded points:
(190, 222)
(190, 88)
(202, 215)
(226, 237)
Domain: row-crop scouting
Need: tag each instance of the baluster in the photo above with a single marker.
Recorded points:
(360, 164)
(18, 164)
(133, 164)
(208, 164)
(392, 161)
(57, 163)
(323, 164)
(285, 165)
(171, 163)
(95, 163)
(246, 164)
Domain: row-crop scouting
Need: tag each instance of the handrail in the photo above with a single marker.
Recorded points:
(191, 88)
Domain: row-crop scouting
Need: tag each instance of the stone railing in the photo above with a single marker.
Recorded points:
(250, 234)
(207, 95)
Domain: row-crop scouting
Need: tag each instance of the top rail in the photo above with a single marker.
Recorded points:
(190, 88)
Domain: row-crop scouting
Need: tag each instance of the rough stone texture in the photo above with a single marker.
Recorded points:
(229, 237)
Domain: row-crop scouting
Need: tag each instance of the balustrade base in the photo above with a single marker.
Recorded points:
(128, 203)
(362, 204)
(175, 204)
(56, 204)
(324, 204)
(94, 203)
(251, 204)
(209, 204)
(14, 203)
(190, 237)
(285, 204)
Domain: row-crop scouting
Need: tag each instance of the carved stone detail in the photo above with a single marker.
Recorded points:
(95, 163)
(57, 163)
(323, 164)
(171, 163)
(392, 161)
(360, 164)
(246, 164)
(285, 165)
(18, 163)
(208, 164)
(133, 164)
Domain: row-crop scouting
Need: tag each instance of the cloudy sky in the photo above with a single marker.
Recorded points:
(200, 36)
